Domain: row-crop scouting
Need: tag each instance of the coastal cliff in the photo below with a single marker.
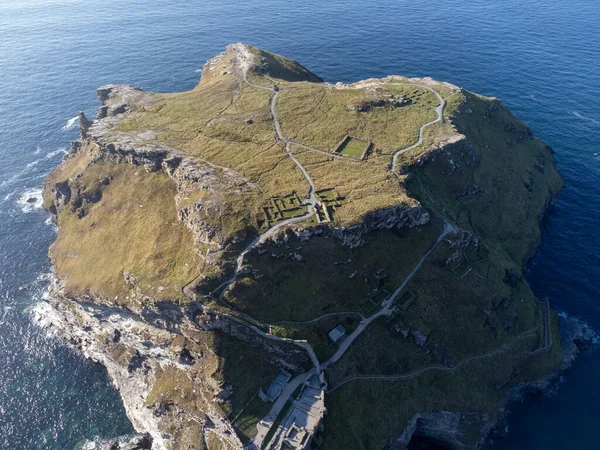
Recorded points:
(211, 241)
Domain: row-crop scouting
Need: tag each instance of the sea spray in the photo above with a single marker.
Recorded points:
(70, 123)
(30, 200)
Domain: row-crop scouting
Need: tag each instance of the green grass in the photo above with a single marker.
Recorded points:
(381, 295)
(515, 172)
(381, 409)
(282, 68)
(380, 350)
(225, 362)
(317, 333)
(375, 188)
(495, 184)
(294, 212)
(246, 367)
(210, 123)
(322, 281)
(320, 117)
(253, 413)
(353, 147)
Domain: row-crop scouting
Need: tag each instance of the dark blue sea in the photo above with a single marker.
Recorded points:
(541, 57)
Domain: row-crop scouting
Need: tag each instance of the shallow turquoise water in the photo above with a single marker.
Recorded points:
(541, 57)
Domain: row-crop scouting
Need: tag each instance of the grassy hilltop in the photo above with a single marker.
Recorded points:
(333, 195)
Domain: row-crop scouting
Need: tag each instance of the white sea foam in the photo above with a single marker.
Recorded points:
(30, 200)
(56, 152)
(580, 116)
(5, 311)
(198, 70)
(33, 163)
(50, 223)
(70, 123)
(37, 150)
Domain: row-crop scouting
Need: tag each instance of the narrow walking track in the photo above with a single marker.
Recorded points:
(388, 305)
(245, 59)
(316, 319)
(387, 308)
(416, 373)
(440, 117)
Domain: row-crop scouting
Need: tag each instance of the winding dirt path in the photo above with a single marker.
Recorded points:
(439, 110)
(416, 373)
(316, 319)
(245, 59)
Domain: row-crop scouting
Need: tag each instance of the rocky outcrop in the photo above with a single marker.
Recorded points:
(136, 346)
(395, 217)
(136, 442)
(575, 337)
(61, 195)
(162, 355)
(443, 430)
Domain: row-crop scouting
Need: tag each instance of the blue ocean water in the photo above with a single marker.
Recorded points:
(541, 57)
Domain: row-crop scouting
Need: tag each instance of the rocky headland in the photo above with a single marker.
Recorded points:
(211, 243)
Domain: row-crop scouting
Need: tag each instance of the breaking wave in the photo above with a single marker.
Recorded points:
(5, 311)
(70, 123)
(56, 152)
(30, 200)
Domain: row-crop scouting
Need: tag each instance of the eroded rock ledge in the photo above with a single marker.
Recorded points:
(137, 347)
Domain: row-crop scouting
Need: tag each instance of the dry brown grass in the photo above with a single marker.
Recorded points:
(212, 124)
(133, 228)
(366, 186)
(319, 116)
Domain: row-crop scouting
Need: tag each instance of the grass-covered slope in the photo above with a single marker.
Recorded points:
(295, 205)
(468, 300)
(280, 67)
(498, 182)
(120, 233)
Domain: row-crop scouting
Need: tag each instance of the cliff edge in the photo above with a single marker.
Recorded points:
(273, 261)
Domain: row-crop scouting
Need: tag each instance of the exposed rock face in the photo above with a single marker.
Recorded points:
(137, 442)
(137, 346)
(442, 429)
(397, 217)
(61, 195)
(576, 336)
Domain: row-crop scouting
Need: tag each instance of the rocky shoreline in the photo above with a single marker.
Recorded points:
(135, 345)
(176, 361)
(91, 329)
(575, 337)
